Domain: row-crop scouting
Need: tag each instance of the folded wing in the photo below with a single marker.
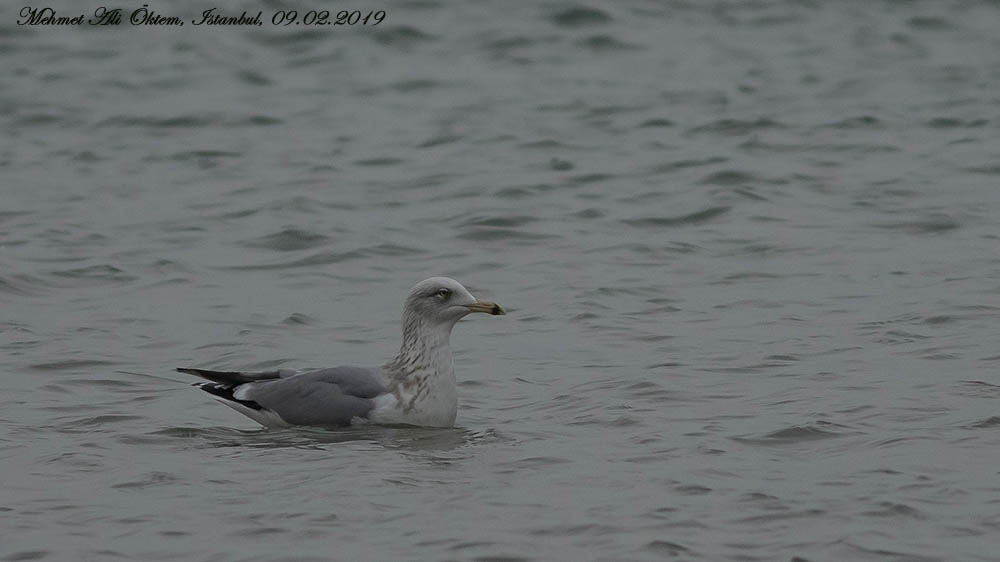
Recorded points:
(325, 398)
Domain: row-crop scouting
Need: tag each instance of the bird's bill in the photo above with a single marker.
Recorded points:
(487, 307)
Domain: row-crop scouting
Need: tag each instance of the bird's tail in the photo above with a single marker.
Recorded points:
(231, 378)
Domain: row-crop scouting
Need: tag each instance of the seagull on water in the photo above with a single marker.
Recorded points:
(417, 387)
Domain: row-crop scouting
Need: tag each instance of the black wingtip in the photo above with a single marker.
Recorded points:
(230, 377)
(226, 393)
(221, 377)
(203, 373)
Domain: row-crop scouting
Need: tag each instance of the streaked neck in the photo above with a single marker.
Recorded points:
(425, 347)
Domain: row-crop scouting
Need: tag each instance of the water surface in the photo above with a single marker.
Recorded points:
(748, 250)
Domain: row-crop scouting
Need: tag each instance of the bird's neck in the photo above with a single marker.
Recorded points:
(421, 378)
(425, 350)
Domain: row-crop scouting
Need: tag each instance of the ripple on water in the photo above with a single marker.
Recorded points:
(288, 240)
(28, 555)
(929, 224)
(736, 127)
(685, 163)
(588, 529)
(856, 122)
(890, 509)
(100, 273)
(297, 319)
(484, 234)
(990, 422)
(503, 558)
(511, 221)
(679, 220)
(22, 285)
(667, 548)
(403, 36)
(955, 123)
(979, 388)
(656, 122)
(522, 191)
(795, 434)
(71, 364)
(147, 122)
(530, 463)
(100, 421)
(606, 43)
(730, 178)
(328, 258)
(579, 16)
(148, 480)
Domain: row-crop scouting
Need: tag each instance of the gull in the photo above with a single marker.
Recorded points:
(417, 387)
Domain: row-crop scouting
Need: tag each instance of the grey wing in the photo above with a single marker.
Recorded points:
(356, 381)
(327, 397)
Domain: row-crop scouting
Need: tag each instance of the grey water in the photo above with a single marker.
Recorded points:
(748, 250)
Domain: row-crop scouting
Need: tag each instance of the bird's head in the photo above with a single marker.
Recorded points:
(440, 300)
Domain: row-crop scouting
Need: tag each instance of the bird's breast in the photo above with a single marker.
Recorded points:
(427, 399)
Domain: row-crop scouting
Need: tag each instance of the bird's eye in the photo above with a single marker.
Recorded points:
(444, 293)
